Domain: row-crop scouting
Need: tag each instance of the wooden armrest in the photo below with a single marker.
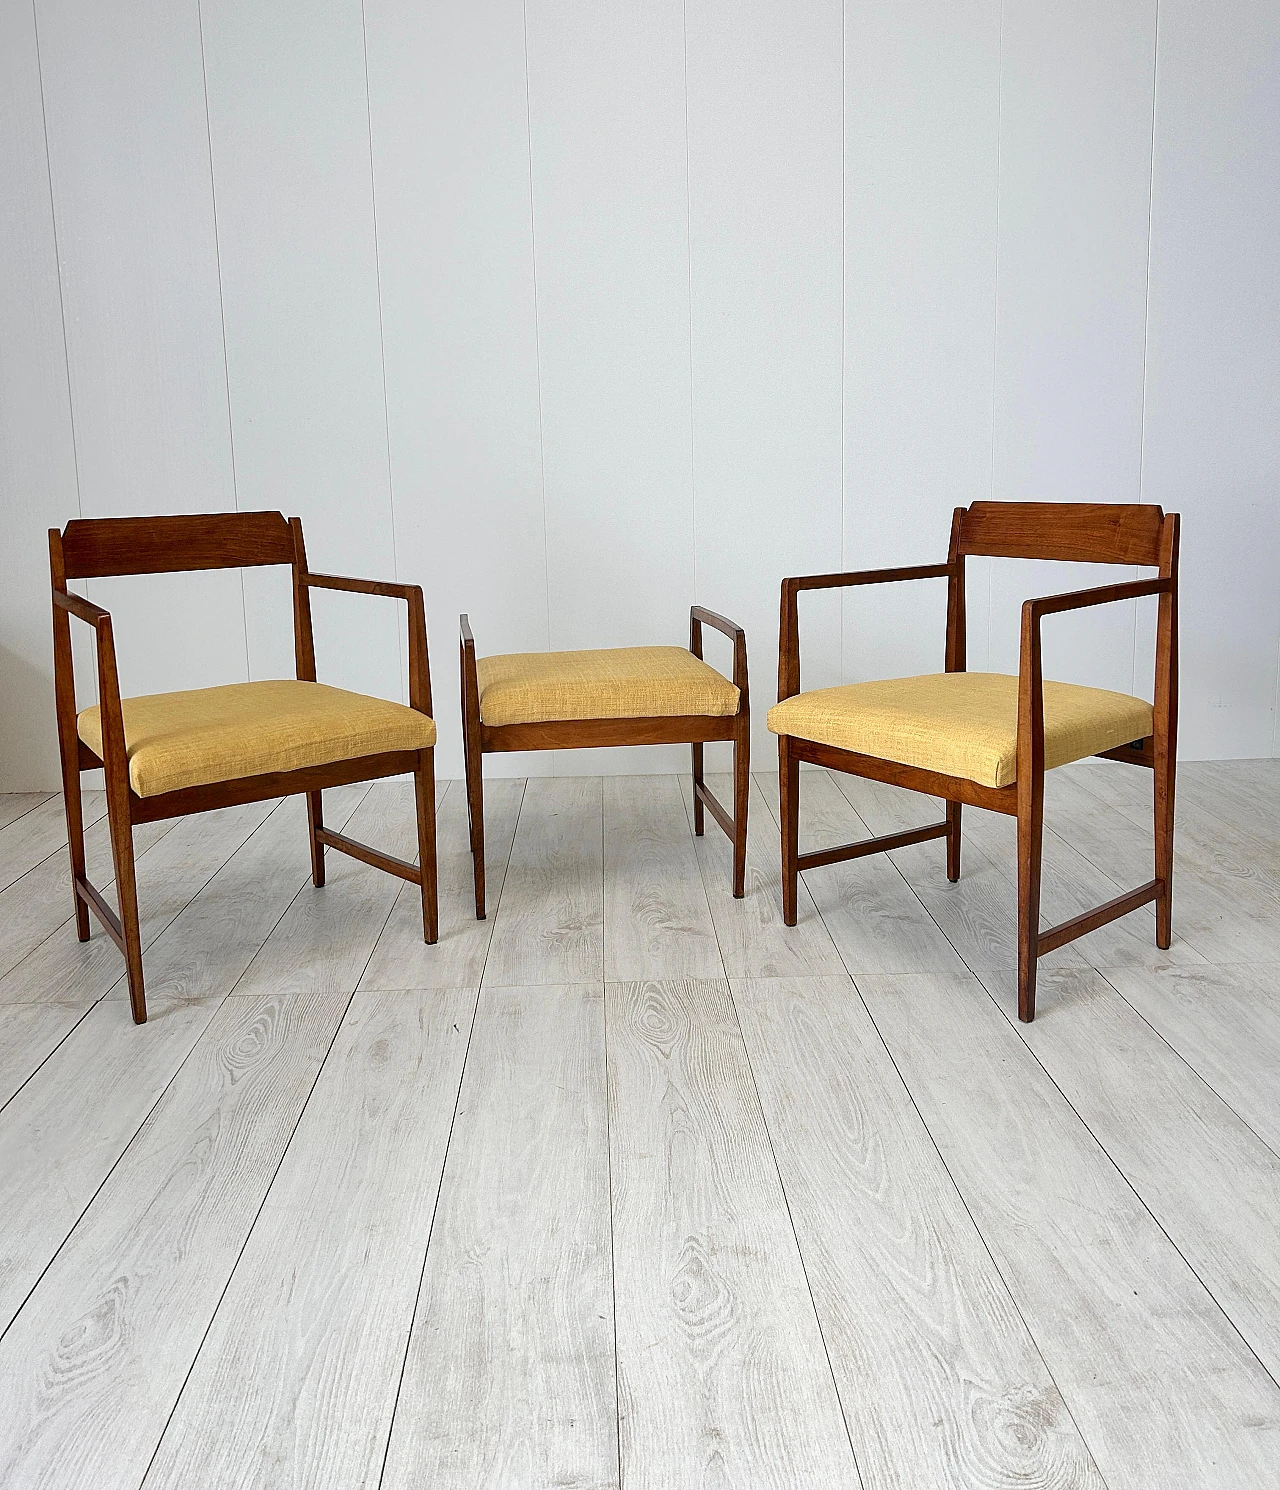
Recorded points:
(1030, 669)
(731, 629)
(865, 577)
(789, 619)
(83, 609)
(698, 615)
(1048, 605)
(419, 665)
(361, 586)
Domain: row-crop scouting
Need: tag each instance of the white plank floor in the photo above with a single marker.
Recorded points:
(630, 1185)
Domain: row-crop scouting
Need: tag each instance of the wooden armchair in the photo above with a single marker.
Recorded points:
(165, 755)
(986, 739)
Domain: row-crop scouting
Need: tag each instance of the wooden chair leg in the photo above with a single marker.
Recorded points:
(424, 784)
(75, 842)
(953, 841)
(1030, 843)
(789, 802)
(475, 815)
(699, 812)
(127, 898)
(1164, 784)
(315, 821)
(741, 795)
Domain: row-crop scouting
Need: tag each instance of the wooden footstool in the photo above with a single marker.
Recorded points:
(613, 696)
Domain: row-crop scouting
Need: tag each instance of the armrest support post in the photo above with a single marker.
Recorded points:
(788, 619)
(700, 616)
(71, 604)
(419, 666)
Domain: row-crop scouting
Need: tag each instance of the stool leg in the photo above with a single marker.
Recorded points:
(475, 814)
(741, 794)
(424, 782)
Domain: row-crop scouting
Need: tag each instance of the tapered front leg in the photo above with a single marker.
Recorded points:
(1030, 842)
(127, 897)
(1163, 788)
(424, 782)
(953, 841)
(315, 821)
(741, 798)
(75, 843)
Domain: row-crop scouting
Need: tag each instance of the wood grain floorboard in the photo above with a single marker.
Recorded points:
(1072, 885)
(978, 915)
(1225, 1023)
(1240, 796)
(940, 1380)
(14, 805)
(28, 1034)
(754, 942)
(67, 1127)
(872, 914)
(32, 836)
(325, 938)
(723, 1377)
(38, 909)
(92, 1366)
(402, 959)
(509, 1379)
(657, 923)
(205, 950)
(1208, 1179)
(301, 1364)
(550, 922)
(170, 873)
(1160, 1384)
(1226, 879)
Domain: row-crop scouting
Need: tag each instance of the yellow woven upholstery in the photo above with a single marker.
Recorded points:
(962, 724)
(613, 683)
(177, 740)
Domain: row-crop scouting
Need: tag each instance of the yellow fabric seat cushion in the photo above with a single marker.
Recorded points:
(961, 724)
(610, 683)
(176, 740)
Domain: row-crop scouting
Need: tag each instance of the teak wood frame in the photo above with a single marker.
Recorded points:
(696, 730)
(91, 548)
(1084, 532)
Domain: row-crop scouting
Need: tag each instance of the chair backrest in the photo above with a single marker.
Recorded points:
(1087, 532)
(92, 547)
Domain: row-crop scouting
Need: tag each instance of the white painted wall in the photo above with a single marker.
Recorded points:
(577, 312)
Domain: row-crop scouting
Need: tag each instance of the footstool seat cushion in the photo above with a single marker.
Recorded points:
(608, 683)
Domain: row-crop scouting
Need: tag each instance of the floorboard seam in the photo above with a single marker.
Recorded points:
(83, 1015)
(1004, 1282)
(973, 1221)
(1129, 1185)
(431, 1226)
(160, 1095)
(1203, 1080)
(213, 1313)
(795, 1237)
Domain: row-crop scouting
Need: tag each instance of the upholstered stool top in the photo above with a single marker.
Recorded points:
(961, 724)
(611, 683)
(176, 740)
